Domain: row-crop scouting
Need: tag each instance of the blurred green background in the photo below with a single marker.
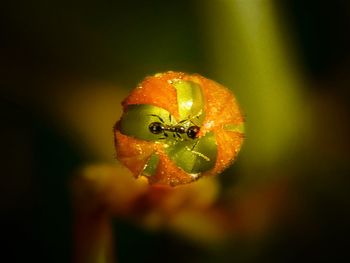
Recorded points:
(65, 67)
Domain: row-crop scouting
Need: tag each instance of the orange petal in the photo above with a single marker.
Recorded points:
(158, 91)
(133, 153)
(221, 106)
(229, 144)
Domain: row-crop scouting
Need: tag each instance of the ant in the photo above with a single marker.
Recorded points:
(177, 129)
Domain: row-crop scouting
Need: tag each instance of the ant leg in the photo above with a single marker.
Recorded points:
(194, 145)
(154, 115)
(165, 136)
(169, 117)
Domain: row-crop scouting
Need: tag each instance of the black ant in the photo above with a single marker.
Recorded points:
(177, 130)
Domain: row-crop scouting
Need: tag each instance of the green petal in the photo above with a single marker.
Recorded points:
(137, 118)
(199, 159)
(151, 166)
(190, 101)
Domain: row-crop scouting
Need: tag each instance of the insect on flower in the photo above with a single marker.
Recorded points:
(177, 127)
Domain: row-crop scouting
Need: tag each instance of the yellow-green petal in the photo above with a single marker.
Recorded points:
(190, 101)
(137, 118)
(195, 156)
(151, 166)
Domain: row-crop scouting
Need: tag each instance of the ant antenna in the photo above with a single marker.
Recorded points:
(189, 118)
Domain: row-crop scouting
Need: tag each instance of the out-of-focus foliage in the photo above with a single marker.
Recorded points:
(66, 66)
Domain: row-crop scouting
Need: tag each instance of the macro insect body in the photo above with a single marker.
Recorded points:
(177, 129)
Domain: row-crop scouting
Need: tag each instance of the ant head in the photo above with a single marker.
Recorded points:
(192, 132)
(156, 127)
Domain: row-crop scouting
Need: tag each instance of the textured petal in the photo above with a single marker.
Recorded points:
(172, 157)
(194, 156)
(190, 101)
(137, 118)
(133, 153)
(169, 174)
(221, 107)
(229, 144)
(157, 91)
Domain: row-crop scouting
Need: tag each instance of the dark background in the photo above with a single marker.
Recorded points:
(52, 51)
